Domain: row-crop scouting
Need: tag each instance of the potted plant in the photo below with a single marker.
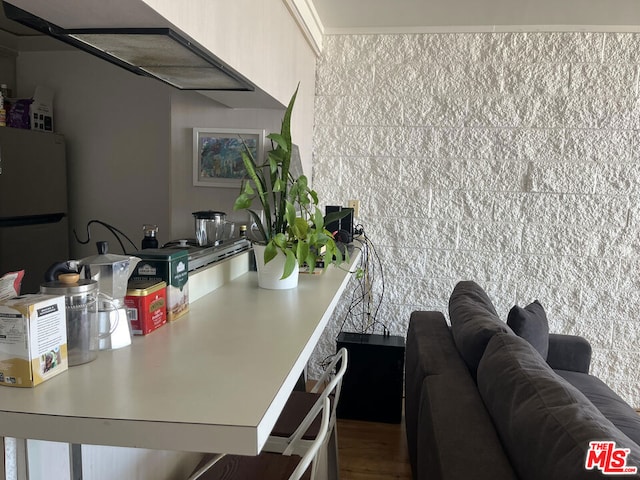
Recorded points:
(291, 226)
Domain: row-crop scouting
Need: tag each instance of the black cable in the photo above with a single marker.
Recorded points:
(114, 231)
(326, 361)
(375, 253)
(363, 310)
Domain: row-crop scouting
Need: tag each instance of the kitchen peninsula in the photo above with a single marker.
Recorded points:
(213, 381)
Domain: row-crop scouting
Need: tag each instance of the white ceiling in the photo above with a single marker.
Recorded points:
(388, 16)
(384, 16)
(371, 16)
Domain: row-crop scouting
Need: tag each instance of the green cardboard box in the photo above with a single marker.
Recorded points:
(172, 267)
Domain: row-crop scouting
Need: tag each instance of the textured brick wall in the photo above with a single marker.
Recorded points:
(512, 159)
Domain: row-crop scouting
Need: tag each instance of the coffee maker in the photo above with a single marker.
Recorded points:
(112, 273)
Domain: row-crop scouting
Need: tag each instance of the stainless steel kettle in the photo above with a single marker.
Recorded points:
(212, 227)
(110, 271)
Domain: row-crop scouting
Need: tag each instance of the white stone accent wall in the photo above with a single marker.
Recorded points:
(511, 159)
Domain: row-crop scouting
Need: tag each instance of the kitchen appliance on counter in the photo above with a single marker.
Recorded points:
(203, 256)
(212, 228)
(112, 273)
(34, 230)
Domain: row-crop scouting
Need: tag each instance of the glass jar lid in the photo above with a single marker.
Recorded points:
(62, 288)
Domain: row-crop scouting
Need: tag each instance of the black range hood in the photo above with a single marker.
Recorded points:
(159, 53)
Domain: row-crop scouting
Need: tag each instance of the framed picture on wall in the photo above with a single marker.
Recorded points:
(217, 159)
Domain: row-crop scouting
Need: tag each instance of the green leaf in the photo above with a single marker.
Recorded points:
(273, 163)
(289, 264)
(270, 252)
(335, 216)
(243, 201)
(320, 237)
(258, 180)
(318, 219)
(280, 240)
(286, 121)
(293, 191)
(280, 140)
(249, 163)
(291, 213)
(301, 227)
(338, 254)
(285, 131)
(248, 189)
(302, 252)
(311, 261)
(278, 185)
(303, 199)
(277, 155)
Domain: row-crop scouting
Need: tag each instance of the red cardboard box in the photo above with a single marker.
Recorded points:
(146, 303)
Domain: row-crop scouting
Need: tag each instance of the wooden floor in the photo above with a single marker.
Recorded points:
(372, 451)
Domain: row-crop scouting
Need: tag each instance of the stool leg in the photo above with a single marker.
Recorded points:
(332, 454)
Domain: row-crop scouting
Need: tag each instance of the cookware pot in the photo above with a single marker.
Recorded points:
(212, 227)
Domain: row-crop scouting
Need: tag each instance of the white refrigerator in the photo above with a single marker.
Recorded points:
(34, 229)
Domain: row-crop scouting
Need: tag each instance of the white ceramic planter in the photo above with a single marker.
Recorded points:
(269, 274)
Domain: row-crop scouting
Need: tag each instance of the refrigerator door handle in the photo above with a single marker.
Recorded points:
(31, 220)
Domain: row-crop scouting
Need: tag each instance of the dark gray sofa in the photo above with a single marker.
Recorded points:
(482, 402)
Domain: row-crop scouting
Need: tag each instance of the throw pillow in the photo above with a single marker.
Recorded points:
(473, 322)
(544, 423)
(531, 324)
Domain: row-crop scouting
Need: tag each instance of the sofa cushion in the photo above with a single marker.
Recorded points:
(429, 351)
(607, 401)
(569, 352)
(456, 438)
(473, 322)
(531, 324)
(544, 422)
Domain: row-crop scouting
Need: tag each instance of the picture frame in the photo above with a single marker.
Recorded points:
(217, 160)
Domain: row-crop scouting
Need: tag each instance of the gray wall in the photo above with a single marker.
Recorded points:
(8, 69)
(510, 159)
(192, 110)
(129, 145)
(117, 128)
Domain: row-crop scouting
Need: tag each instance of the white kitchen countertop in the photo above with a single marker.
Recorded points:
(215, 380)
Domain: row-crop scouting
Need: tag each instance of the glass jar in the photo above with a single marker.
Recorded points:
(81, 301)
